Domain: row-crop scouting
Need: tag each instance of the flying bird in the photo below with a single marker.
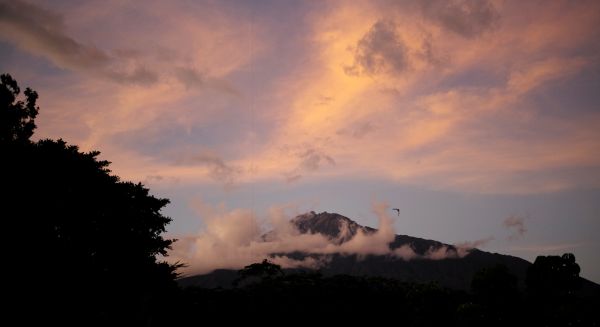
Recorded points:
(398, 210)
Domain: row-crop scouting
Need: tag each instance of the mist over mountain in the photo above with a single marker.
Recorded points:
(410, 258)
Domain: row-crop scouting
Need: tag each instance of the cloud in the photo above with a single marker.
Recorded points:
(363, 129)
(468, 18)
(477, 123)
(442, 252)
(193, 79)
(381, 50)
(464, 248)
(308, 160)
(232, 239)
(190, 77)
(312, 159)
(458, 250)
(139, 75)
(159, 179)
(41, 32)
(428, 53)
(517, 225)
(219, 170)
(533, 74)
(376, 243)
(358, 131)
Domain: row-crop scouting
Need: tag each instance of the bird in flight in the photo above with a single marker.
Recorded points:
(397, 210)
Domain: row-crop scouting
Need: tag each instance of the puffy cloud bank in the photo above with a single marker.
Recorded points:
(232, 239)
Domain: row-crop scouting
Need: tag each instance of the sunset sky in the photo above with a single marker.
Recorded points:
(479, 120)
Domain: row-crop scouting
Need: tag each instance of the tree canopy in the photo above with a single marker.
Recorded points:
(82, 240)
(16, 116)
(554, 275)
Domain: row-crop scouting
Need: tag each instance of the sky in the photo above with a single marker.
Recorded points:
(479, 120)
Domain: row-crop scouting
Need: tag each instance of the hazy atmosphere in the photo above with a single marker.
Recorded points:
(478, 120)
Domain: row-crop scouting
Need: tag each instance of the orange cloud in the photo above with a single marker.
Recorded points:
(382, 90)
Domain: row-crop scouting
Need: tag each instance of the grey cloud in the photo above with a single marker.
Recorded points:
(358, 131)
(517, 225)
(219, 170)
(468, 245)
(140, 75)
(363, 129)
(468, 18)
(192, 79)
(189, 77)
(381, 50)
(127, 53)
(312, 159)
(152, 179)
(427, 52)
(41, 32)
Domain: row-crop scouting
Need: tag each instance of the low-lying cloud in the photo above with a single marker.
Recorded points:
(232, 239)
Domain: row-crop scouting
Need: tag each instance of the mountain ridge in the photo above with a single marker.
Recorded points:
(450, 271)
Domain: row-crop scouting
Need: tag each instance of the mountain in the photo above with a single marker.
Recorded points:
(335, 226)
(454, 271)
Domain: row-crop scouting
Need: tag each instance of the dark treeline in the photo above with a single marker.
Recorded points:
(552, 297)
(83, 249)
(82, 245)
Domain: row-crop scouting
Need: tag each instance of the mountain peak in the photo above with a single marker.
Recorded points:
(334, 226)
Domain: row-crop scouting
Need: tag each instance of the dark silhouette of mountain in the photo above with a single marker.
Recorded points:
(335, 226)
(453, 272)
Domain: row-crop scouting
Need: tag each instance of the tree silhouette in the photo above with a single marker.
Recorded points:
(263, 271)
(553, 275)
(495, 296)
(553, 285)
(16, 117)
(84, 243)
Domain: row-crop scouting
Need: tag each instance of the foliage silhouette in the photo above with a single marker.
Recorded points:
(258, 272)
(553, 275)
(495, 298)
(16, 117)
(553, 286)
(84, 242)
(309, 297)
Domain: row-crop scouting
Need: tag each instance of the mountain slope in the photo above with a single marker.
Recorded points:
(454, 271)
(451, 272)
